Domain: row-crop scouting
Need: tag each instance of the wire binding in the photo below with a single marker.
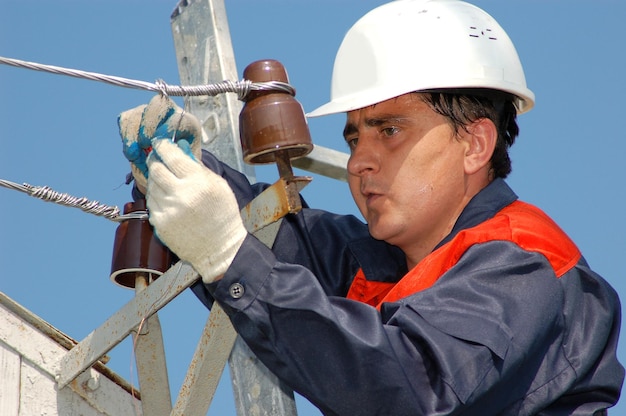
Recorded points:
(241, 88)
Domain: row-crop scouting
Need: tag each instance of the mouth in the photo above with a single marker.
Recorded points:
(371, 196)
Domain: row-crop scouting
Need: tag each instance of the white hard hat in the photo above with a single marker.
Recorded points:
(416, 45)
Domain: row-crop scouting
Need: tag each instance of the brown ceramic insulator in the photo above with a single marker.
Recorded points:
(272, 121)
(137, 250)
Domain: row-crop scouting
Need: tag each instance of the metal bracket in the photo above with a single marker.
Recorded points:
(270, 206)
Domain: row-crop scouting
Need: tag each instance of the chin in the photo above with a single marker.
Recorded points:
(389, 232)
(376, 232)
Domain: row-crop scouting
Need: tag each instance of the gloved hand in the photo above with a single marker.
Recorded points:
(193, 211)
(160, 119)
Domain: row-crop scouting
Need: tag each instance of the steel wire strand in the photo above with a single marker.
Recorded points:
(47, 194)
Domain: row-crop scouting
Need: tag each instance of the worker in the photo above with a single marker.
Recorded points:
(454, 297)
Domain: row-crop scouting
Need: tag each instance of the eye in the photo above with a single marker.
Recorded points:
(352, 142)
(389, 131)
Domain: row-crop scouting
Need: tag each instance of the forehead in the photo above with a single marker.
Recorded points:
(406, 103)
(404, 108)
(401, 101)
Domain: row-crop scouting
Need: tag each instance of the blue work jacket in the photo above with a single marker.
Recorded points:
(499, 332)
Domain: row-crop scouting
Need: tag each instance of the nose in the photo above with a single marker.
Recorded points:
(363, 158)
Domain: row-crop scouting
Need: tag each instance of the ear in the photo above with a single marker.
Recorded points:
(481, 137)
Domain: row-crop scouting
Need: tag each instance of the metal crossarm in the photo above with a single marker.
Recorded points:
(126, 319)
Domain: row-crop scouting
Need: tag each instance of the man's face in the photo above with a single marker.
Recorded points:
(406, 172)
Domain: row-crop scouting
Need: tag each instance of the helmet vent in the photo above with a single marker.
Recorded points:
(478, 33)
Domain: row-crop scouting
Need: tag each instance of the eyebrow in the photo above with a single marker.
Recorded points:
(349, 129)
(379, 120)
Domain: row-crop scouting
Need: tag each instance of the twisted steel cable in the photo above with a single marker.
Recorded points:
(91, 207)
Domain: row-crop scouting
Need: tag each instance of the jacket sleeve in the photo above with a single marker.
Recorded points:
(244, 193)
(472, 344)
(332, 246)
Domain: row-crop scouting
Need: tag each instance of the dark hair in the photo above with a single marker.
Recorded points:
(464, 106)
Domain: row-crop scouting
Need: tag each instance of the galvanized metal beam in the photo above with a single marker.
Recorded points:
(273, 203)
(263, 215)
(115, 329)
(326, 162)
(205, 55)
(206, 367)
(149, 351)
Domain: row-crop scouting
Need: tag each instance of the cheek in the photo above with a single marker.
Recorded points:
(412, 202)
(426, 180)
(437, 166)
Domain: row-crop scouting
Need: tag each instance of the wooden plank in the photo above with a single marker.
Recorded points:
(38, 395)
(40, 350)
(37, 357)
(10, 385)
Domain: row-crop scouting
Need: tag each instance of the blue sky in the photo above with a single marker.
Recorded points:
(61, 132)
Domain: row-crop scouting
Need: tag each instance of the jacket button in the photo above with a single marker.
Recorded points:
(236, 290)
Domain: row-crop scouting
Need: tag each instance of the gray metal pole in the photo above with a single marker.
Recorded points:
(205, 55)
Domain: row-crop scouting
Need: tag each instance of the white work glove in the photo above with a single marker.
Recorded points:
(193, 210)
(161, 118)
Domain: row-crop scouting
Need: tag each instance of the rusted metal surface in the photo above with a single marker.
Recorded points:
(275, 202)
(205, 55)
